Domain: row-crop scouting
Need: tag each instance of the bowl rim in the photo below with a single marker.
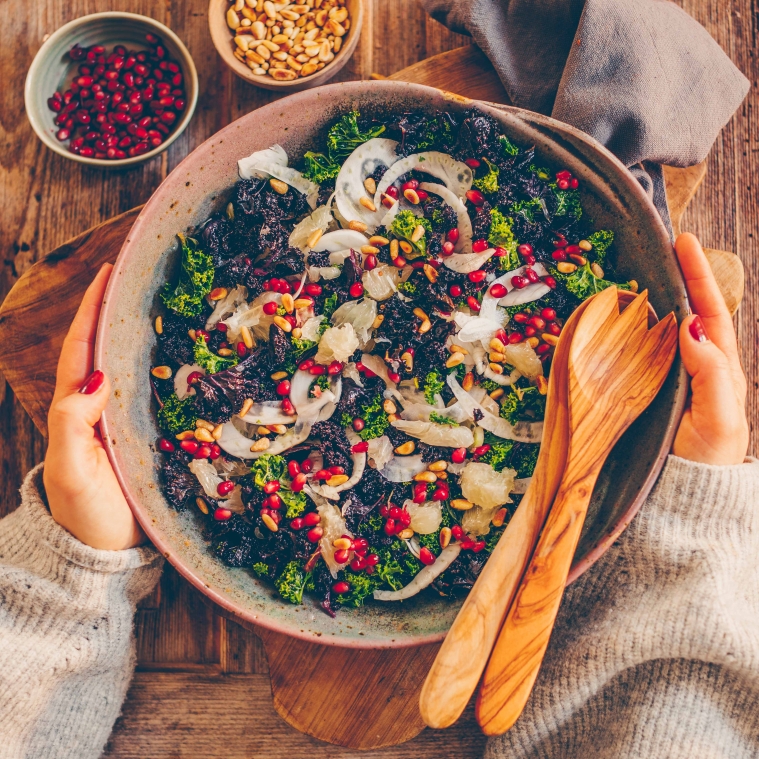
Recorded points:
(37, 70)
(187, 571)
(266, 82)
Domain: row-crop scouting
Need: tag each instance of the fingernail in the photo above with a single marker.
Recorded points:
(93, 383)
(697, 331)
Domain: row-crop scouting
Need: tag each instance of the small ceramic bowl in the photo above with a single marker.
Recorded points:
(52, 70)
(223, 40)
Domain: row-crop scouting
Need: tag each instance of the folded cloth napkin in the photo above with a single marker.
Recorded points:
(643, 78)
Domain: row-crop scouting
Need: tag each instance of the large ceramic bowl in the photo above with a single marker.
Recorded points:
(200, 185)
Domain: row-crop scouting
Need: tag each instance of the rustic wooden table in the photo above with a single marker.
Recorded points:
(201, 688)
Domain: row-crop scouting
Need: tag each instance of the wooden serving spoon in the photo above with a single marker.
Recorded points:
(462, 658)
(616, 368)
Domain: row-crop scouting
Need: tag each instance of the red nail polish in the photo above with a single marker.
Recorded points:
(697, 331)
(93, 383)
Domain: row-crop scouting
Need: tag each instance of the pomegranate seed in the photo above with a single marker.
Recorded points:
(530, 331)
(293, 468)
(317, 370)
(452, 235)
(550, 281)
(361, 447)
(498, 290)
(458, 456)
(538, 322)
(521, 318)
(560, 243)
(473, 304)
(311, 519)
(389, 527)
(472, 163)
(225, 487)
(221, 514)
(422, 195)
(519, 282)
(480, 451)
(287, 407)
(501, 335)
(190, 446)
(412, 184)
(455, 291)
(440, 495)
(357, 564)
(314, 534)
(304, 366)
(549, 314)
(475, 197)
(542, 348)
(360, 544)
(448, 248)
(336, 470)
(563, 174)
(426, 556)
(299, 482)
(272, 486)
(203, 452)
(394, 377)
(166, 445)
(479, 245)
(531, 275)
(559, 255)
(456, 532)
(399, 262)
(573, 250)
(574, 183)
(322, 474)
(477, 276)
(554, 328)
(500, 252)
(356, 290)
(313, 289)
(525, 249)
(296, 524)
(241, 350)
(63, 134)
(335, 368)
(272, 502)
(466, 545)
(283, 388)
(369, 263)
(516, 337)
(342, 556)
(341, 587)
(392, 191)
(563, 184)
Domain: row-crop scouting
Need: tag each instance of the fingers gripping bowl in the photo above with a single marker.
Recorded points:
(203, 186)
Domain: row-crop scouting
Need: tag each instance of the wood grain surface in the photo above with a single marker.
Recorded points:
(614, 363)
(200, 689)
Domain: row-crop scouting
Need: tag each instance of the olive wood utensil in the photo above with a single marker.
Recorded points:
(616, 367)
(462, 658)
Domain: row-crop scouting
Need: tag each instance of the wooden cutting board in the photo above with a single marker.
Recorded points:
(358, 699)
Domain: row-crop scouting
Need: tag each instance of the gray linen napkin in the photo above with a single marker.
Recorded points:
(640, 76)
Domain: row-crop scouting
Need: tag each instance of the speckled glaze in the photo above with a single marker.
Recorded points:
(201, 185)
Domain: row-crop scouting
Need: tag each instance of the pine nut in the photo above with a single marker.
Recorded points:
(161, 372)
(247, 405)
(202, 423)
(277, 376)
(191, 333)
(633, 286)
(259, 30)
(597, 270)
(457, 349)
(288, 303)
(216, 432)
(533, 342)
(499, 517)
(357, 226)
(565, 267)
(468, 381)
(425, 326)
(203, 435)
(185, 435)
(411, 196)
(389, 407)
(497, 358)
(338, 479)
(254, 58)
(369, 250)
(342, 544)
(366, 203)
(295, 66)
(461, 504)
(260, 445)
(418, 233)
(159, 325)
(378, 241)
(283, 324)
(406, 448)
(445, 537)
(408, 360)
(218, 293)
(380, 318)
(297, 333)
(338, 45)
(202, 505)
(406, 534)
(269, 522)
(430, 272)
(438, 466)
(233, 20)
(426, 476)
(269, 9)
(243, 43)
(302, 303)
(226, 352)
(370, 185)
(578, 259)
(550, 339)
(262, 431)
(393, 249)
(247, 338)
(264, 52)
(454, 360)
(278, 186)
(405, 247)
(497, 345)
(497, 393)
(496, 368)
(584, 245)
(280, 56)
(542, 384)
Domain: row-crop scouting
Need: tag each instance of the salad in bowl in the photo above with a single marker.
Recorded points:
(350, 373)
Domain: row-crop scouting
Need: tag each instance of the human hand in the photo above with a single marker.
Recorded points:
(82, 490)
(713, 429)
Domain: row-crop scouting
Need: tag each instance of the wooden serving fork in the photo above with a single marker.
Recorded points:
(462, 658)
(616, 367)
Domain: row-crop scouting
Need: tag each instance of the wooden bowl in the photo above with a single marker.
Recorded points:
(223, 40)
(201, 185)
(52, 68)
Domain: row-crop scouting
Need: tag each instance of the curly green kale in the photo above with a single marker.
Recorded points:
(295, 503)
(292, 582)
(362, 586)
(319, 167)
(499, 453)
(487, 384)
(345, 136)
(431, 542)
(601, 242)
(194, 283)
(508, 147)
(203, 356)
(375, 420)
(433, 385)
(524, 459)
(397, 565)
(568, 202)
(523, 404)
(322, 382)
(403, 226)
(491, 541)
(329, 308)
(261, 569)
(502, 236)
(527, 209)
(409, 288)
(266, 468)
(440, 419)
(540, 172)
(583, 283)
(488, 183)
(176, 416)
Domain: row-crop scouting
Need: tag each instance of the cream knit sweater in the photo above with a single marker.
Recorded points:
(655, 653)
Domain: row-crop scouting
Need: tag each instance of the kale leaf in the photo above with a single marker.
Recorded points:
(194, 283)
(176, 416)
(440, 419)
(502, 236)
(210, 361)
(375, 420)
(433, 385)
(292, 582)
(601, 241)
(345, 136)
(362, 586)
(319, 167)
(266, 468)
(403, 226)
(583, 283)
(489, 182)
(523, 404)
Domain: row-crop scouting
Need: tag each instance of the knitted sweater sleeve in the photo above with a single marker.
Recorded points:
(66, 633)
(655, 652)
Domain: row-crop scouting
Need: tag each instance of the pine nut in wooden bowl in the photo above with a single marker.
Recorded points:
(286, 47)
